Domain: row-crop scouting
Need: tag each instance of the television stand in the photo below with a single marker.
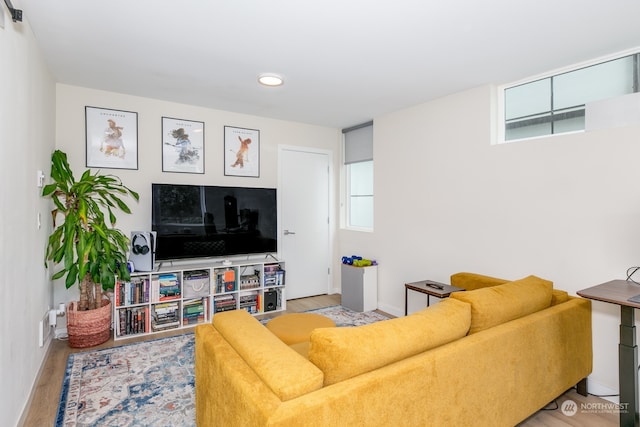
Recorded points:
(175, 297)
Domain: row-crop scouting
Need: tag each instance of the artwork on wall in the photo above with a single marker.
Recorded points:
(182, 145)
(111, 138)
(241, 152)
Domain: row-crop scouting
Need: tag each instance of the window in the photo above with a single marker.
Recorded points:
(556, 104)
(358, 173)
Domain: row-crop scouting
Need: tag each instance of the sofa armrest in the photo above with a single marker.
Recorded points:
(281, 368)
(228, 391)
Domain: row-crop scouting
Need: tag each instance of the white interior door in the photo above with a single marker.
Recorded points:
(304, 220)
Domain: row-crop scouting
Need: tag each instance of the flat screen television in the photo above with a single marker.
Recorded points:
(194, 221)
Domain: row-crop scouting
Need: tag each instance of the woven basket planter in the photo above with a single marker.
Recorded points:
(90, 327)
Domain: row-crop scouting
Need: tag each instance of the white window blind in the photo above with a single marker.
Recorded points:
(358, 143)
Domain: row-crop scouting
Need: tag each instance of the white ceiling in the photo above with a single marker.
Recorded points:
(344, 61)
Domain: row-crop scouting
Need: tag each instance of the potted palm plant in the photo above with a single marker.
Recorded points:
(90, 252)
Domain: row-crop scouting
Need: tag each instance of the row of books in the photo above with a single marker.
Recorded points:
(249, 281)
(225, 280)
(165, 316)
(224, 303)
(250, 302)
(193, 311)
(132, 321)
(134, 292)
(273, 275)
(165, 287)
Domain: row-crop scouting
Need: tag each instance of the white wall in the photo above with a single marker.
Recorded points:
(566, 208)
(27, 119)
(70, 137)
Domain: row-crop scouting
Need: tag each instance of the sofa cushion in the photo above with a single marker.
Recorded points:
(342, 353)
(282, 369)
(498, 304)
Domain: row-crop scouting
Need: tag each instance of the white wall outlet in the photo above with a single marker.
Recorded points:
(44, 330)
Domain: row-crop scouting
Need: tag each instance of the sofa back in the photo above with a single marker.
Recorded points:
(471, 281)
(343, 353)
(498, 304)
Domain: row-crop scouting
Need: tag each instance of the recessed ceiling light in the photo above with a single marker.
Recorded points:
(270, 79)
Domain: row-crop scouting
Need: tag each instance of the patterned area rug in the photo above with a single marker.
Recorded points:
(345, 317)
(146, 384)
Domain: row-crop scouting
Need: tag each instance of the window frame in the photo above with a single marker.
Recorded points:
(501, 121)
(349, 198)
(345, 188)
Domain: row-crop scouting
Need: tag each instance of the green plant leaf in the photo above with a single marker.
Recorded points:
(48, 189)
(72, 276)
(58, 275)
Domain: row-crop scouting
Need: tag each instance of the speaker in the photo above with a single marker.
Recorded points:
(143, 250)
(270, 300)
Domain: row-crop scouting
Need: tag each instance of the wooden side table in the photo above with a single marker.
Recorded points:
(618, 292)
(430, 288)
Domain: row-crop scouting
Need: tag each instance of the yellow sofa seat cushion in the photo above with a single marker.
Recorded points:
(295, 328)
(343, 353)
(498, 304)
(287, 373)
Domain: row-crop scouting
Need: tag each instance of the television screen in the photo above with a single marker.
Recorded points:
(193, 221)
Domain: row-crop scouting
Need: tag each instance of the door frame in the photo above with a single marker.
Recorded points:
(332, 205)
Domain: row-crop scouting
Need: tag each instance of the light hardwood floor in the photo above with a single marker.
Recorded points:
(44, 403)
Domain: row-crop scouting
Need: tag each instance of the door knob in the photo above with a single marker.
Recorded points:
(287, 232)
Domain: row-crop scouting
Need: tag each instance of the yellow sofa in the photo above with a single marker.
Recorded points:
(490, 356)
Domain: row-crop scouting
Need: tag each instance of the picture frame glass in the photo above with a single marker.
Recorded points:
(241, 152)
(182, 145)
(111, 138)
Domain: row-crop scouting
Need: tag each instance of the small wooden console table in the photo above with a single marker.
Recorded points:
(618, 292)
(429, 287)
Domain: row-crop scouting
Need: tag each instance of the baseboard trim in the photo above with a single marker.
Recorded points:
(36, 381)
(597, 389)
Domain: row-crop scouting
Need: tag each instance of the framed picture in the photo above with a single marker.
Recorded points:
(112, 138)
(182, 145)
(241, 152)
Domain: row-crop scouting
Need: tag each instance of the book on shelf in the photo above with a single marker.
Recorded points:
(249, 281)
(225, 280)
(273, 275)
(165, 320)
(193, 311)
(165, 308)
(224, 303)
(250, 302)
(155, 326)
(132, 321)
(168, 287)
(135, 291)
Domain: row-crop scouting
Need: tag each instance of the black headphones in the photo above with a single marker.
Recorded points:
(140, 249)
